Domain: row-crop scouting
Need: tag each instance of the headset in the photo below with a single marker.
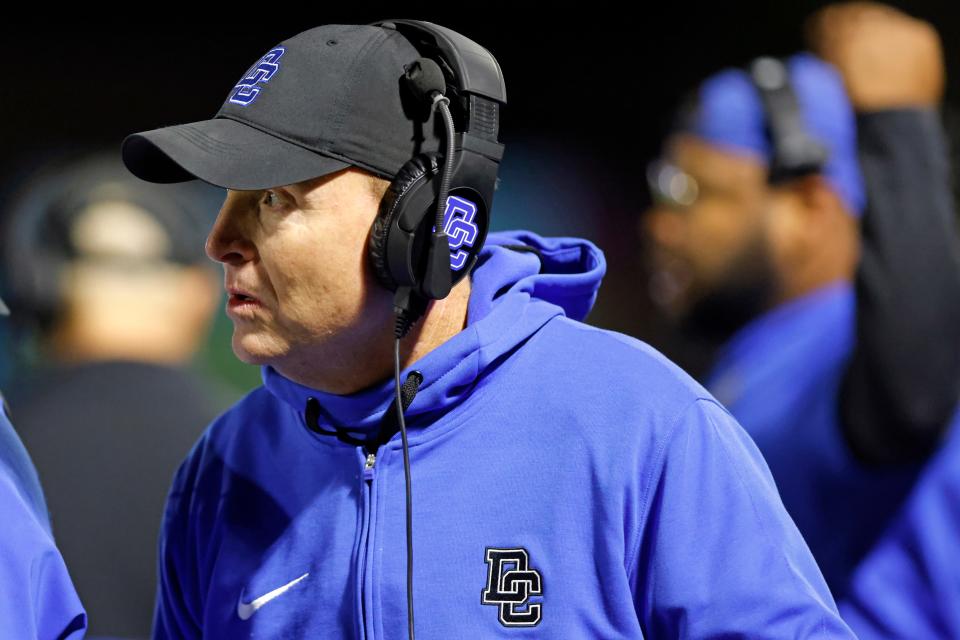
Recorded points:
(419, 256)
(794, 152)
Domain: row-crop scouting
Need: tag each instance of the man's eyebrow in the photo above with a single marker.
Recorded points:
(293, 190)
(248, 196)
(285, 190)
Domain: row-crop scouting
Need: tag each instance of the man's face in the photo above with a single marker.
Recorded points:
(296, 272)
(709, 251)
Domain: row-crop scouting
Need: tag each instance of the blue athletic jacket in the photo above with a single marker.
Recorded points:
(568, 482)
(37, 598)
(780, 376)
(909, 585)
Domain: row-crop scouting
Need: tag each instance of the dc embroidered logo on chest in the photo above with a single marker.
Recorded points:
(510, 583)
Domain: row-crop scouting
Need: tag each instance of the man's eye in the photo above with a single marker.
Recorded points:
(271, 199)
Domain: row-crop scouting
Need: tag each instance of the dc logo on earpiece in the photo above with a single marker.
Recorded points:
(246, 91)
(460, 228)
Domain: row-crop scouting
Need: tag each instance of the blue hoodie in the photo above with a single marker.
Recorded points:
(781, 376)
(37, 598)
(568, 482)
(909, 585)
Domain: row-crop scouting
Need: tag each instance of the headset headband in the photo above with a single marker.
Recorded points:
(794, 152)
(472, 71)
(473, 67)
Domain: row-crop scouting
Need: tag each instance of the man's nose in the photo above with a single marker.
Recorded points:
(227, 241)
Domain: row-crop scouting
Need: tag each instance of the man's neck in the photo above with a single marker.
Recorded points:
(371, 361)
(443, 320)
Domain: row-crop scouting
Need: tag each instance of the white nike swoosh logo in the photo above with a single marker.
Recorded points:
(247, 609)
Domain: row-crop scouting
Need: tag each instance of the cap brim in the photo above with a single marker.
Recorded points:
(226, 153)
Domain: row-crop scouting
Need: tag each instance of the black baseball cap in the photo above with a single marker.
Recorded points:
(321, 101)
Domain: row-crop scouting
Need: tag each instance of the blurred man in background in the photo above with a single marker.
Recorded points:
(105, 271)
(846, 377)
(909, 584)
(39, 601)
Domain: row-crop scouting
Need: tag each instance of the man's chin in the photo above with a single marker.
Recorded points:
(254, 349)
(716, 315)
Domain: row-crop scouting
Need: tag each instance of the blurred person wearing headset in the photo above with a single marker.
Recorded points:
(804, 219)
(110, 288)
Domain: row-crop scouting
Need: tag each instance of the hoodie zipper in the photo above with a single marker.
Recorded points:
(369, 473)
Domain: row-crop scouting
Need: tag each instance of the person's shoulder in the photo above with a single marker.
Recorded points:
(625, 365)
(33, 573)
(23, 529)
(613, 380)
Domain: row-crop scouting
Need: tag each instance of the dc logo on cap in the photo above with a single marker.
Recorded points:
(246, 91)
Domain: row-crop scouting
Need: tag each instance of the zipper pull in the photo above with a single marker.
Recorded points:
(368, 466)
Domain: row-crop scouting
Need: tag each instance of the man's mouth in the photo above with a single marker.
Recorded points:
(239, 298)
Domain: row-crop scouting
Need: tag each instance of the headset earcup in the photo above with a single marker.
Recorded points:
(417, 171)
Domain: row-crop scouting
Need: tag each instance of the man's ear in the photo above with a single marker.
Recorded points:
(813, 227)
(817, 196)
(813, 208)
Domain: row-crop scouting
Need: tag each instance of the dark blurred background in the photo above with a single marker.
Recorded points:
(590, 93)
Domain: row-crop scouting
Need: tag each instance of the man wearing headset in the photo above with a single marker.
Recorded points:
(845, 377)
(567, 481)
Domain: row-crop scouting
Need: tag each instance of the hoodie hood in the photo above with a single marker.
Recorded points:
(521, 281)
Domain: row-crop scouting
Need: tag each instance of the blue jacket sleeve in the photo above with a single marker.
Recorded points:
(719, 557)
(177, 614)
(39, 599)
(909, 584)
(900, 388)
